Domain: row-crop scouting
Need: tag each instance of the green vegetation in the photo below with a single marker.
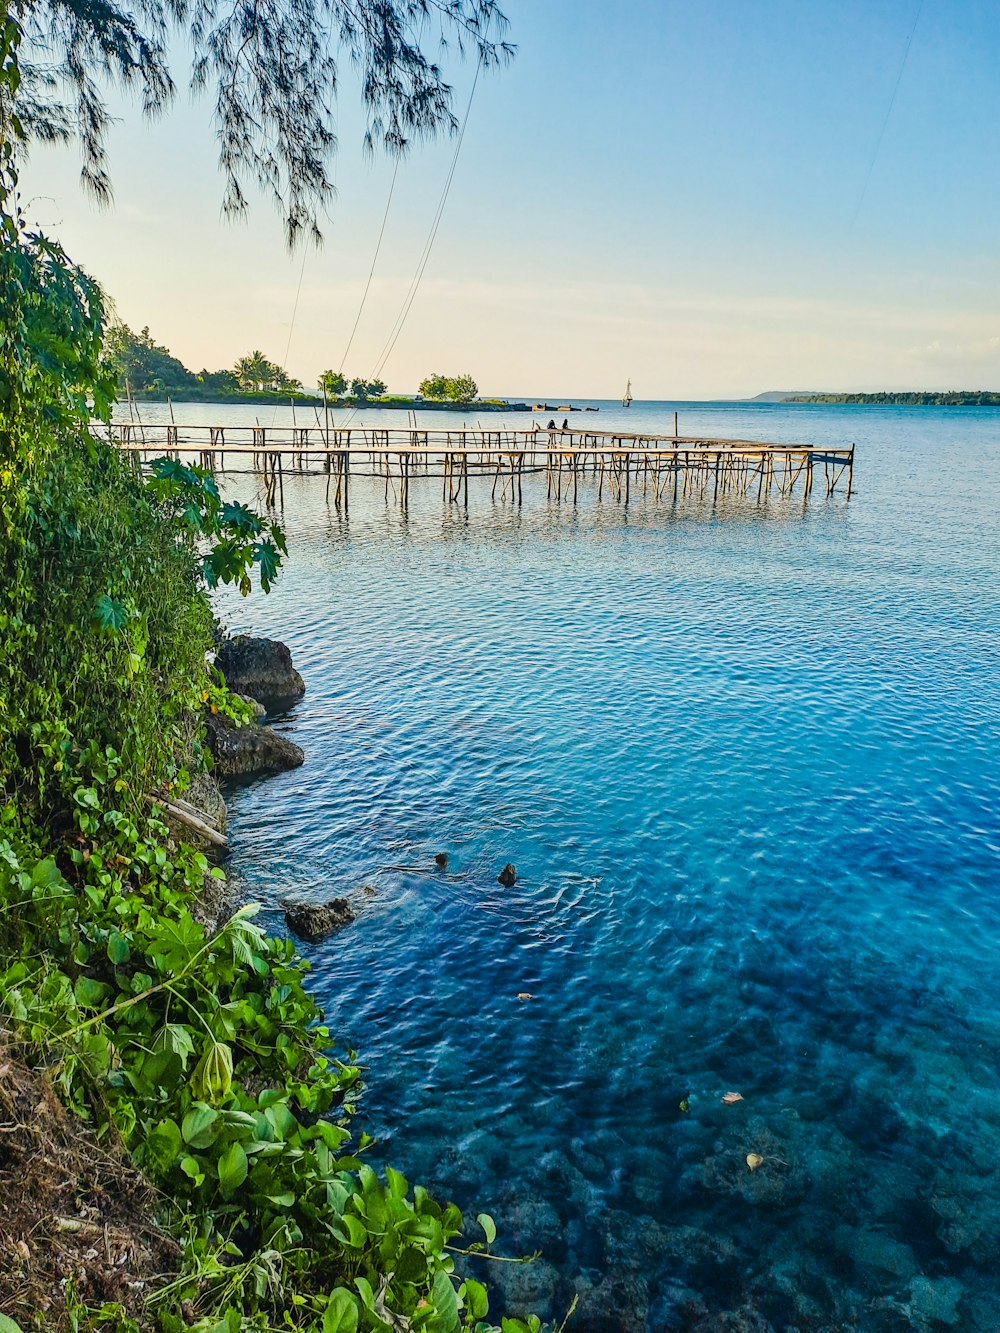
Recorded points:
(254, 373)
(363, 390)
(951, 398)
(450, 388)
(146, 370)
(203, 1055)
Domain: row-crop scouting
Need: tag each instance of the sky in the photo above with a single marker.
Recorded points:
(713, 199)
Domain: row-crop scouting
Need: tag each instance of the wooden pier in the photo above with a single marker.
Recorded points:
(665, 467)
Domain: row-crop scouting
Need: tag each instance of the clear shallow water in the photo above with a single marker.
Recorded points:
(747, 766)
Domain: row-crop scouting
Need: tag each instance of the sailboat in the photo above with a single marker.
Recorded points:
(627, 399)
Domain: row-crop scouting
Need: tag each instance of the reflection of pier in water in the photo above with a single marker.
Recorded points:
(624, 466)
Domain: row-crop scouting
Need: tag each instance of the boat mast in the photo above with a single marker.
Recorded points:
(627, 399)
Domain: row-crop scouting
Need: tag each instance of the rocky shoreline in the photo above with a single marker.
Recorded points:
(261, 673)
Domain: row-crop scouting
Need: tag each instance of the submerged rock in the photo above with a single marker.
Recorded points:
(315, 921)
(508, 876)
(441, 860)
(250, 749)
(935, 1301)
(261, 668)
(528, 1288)
(617, 1303)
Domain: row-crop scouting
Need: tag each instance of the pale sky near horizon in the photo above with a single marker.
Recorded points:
(670, 192)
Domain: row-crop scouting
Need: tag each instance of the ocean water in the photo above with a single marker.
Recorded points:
(747, 765)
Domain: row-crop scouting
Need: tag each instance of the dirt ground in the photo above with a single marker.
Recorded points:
(70, 1208)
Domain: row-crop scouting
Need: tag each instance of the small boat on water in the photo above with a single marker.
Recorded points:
(627, 396)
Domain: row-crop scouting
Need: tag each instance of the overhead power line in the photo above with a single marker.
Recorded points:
(371, 271)
(885, 122)
(411, 294)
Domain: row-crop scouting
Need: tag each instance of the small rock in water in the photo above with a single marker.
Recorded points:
(441, 860)
(936, 1301)
(315, 921)
(508, 876)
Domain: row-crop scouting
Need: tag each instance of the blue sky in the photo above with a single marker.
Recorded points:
(672, 192)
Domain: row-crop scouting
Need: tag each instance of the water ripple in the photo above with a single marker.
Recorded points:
(747, 767)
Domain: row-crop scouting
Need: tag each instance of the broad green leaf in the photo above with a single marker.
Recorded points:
(341, 1313)
(90, 994)
(45, 874)
(356, 1231)
(489, 1227)
(175, 1037)
(158, 1072)
(118, 948)
(398, 1186)
(110, 615)
(199, 1128)
(192, 1168)
(445, 1301)
(477, 1303)
(7, 1325)
(233, 1167)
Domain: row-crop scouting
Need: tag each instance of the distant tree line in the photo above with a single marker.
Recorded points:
(144, 369)
(449, 388)
(335, 385)
(953, 398)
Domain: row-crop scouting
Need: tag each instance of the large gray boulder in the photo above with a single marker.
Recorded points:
(241, 751)
(261, 668)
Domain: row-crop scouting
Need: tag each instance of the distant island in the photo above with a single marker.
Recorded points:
(953, 398)
(148, 372)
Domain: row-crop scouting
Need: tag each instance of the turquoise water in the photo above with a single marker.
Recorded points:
(747, 766)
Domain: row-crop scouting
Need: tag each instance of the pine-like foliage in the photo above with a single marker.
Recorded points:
(272, 68)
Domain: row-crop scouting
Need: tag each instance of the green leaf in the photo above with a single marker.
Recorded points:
(477, 1303)
(118, 948)
(199, 1128)
(233, 1167)
(489, 1227)
(45, 874)
(355, 1228)
(175, 1037)
(398, 1187)
(110, 615)
(7, 1325)
(213, 1074)
(90, 994)
(192, 1168)
(163, 1147)
(159, 1072)
(341, 1313)
(445, 1300)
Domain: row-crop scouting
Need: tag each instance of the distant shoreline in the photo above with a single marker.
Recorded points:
(311, 400)
(956, 398)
